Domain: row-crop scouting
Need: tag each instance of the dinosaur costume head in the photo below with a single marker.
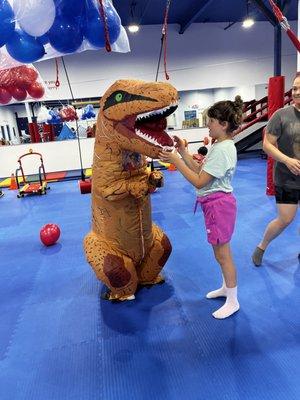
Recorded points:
(133, 114)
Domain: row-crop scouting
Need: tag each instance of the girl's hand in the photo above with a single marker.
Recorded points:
(180, 144)
(167, 156)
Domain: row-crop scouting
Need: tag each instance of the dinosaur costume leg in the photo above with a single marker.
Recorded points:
(148, 271)
(113, 268)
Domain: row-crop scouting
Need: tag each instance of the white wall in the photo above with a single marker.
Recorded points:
(205, 56)
(193, 100)
(199, 100)
(64, 156)
(7, 117)
(262, 90)
(246, 92)
(57, 156)
(69, 154)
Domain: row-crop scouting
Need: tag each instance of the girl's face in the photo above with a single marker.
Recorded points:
(216, 129)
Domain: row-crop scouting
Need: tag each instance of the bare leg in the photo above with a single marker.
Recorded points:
(224, 257)
(286, 214)
(229, 289)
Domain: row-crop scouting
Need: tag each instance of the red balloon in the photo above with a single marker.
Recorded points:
(24, 76)
(6, 77)
(36, 90)
(30, 73)
(18, 93)
(5, 96)
(49, 234)
(68, 113)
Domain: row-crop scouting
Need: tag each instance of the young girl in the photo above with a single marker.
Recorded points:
(214, 192)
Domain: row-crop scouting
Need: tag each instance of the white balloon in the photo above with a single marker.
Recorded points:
(79, 112)
(43, 115)
(35, 17)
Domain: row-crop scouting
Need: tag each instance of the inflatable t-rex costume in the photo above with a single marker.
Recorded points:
(124, 247)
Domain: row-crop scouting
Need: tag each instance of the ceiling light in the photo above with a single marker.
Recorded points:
(248, 22)
(133, 28)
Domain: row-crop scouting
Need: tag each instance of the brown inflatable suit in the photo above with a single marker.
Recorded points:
(124, 247)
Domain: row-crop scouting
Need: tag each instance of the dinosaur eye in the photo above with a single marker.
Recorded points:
(118, 97)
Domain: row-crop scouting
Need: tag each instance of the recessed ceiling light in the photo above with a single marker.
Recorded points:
(248, 22)
(133, 28)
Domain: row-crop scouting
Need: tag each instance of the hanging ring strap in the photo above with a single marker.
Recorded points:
(285, 24)
(276, 11)
(57, 82)
(164, 35)
(106, 31)
(278, 14)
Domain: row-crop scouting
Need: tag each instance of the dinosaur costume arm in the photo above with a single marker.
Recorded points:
(136, 186)
(118, 190)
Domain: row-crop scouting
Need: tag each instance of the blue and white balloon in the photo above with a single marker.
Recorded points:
(35, 17)
(24, 48)
(88, 112)
(93, 29)
(7, 22)
(65, 35)
(54, 117)
(70, 8)
(44, 39)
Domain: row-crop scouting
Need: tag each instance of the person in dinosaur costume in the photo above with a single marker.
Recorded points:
(124, 247)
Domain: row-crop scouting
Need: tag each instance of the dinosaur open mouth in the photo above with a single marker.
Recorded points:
(151, 126)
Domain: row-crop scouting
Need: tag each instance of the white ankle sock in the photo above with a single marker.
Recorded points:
(217, 293)
(231, 305)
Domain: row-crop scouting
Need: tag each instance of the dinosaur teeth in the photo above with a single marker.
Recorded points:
(156, 112)
(146, 137)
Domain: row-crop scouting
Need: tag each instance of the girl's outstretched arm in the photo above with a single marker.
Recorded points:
(198, 180)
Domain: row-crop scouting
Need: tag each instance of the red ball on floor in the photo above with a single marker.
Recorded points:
(49, 234)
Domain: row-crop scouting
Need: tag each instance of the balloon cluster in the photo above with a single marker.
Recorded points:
(28, 25)
(18, 83)
(68, 113)
(54, 117)
(88, 112)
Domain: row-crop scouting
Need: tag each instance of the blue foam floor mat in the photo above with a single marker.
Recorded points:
(60, 341)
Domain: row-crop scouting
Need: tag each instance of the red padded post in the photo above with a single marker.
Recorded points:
(275, 102)
(34, 132)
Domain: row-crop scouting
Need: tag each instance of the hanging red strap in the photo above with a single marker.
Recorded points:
(106, 31)
(294, 39)
(165, 57)
(164, 33)
(57, 81)
(285, 24)
(277, 11)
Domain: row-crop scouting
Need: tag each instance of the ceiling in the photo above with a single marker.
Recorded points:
(185, 12)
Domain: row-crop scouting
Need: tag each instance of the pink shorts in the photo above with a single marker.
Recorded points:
(219, 211)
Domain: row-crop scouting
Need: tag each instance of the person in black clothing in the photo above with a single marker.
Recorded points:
(282, 143)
